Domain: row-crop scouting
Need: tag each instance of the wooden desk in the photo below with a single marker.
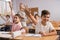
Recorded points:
(57, 28)
(54, 37)
(37, 38)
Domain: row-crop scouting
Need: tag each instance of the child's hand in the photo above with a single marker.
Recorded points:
(43, 33)
(10, 4)
(27, 11)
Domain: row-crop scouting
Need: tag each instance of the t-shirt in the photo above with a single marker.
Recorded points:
(41, 28)
(24, 19)
(22, 14)
(16, 27)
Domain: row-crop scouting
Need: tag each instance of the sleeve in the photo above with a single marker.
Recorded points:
(51, 27)
(22, 14)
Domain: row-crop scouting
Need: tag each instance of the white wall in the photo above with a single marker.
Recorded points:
(4, 7)
(51, 5)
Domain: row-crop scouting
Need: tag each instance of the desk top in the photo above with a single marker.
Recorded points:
(57, 28)
(54, 37)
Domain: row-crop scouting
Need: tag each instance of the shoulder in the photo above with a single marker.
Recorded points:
(20, 24)
(49, 23)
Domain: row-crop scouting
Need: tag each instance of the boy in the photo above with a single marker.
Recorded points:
(44, 27)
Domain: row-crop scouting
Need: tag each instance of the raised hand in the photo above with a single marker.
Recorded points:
(10, 4)
(27, 11)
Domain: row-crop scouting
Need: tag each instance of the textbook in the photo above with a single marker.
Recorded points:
(8, 35)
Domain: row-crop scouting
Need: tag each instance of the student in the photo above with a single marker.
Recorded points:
(37, 17)
(44, 27)
(7, 19)
(7, 24)
(16, 26)
(22, 14)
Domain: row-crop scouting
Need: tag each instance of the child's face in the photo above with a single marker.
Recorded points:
(16, 19)
(37, 17)
(7, 17)
(45, 18)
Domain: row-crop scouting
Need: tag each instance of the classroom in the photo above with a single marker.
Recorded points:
(29, 19)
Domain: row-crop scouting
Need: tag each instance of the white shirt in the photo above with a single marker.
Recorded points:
(23, 21)
(22, 14)
(41, 28)
(7, 21)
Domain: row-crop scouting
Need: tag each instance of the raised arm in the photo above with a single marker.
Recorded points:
(28, 13)
(2, 17)
(11, 7)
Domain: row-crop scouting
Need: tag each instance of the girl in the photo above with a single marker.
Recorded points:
(16, 26)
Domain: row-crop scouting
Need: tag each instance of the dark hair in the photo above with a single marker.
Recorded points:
(18, 15)
(36, 15)
(45, 12)
(8, 16)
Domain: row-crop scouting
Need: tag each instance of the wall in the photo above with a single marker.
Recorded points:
(51, 5)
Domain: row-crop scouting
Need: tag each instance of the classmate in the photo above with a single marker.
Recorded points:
(37, 17)
(44, 27)
(7, 24)
(16, 26)
(22, 14)
(7, 19)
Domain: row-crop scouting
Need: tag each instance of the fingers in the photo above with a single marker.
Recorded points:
(42, 33)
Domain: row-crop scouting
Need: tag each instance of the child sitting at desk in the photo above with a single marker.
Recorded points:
(16, 26)
(7, 24)
(44, 27)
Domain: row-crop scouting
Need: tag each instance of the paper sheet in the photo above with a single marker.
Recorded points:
(35, 35)
(3, 32)
(16, 33)
(5, 35)
(8, 35)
